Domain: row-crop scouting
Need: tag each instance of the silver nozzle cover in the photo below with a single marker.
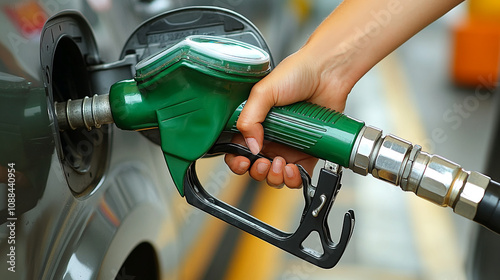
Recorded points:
(364, 149)
(390, 160)
(383, 157)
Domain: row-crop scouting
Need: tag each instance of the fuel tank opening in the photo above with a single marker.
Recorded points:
(67, 50)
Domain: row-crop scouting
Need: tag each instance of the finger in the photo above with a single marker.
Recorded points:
(272, 149)
(308, 164)
(259, 169)
(253, 114)
(275, 175)
(292, 176)
(238, 164)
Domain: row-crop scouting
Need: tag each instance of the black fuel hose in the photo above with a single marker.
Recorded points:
(488, 210)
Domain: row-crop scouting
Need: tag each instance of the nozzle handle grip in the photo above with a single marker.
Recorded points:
(314, 216)
(488, 210)
(307, 127)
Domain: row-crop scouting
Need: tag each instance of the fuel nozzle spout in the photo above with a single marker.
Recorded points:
(434, 178)
(87, 112)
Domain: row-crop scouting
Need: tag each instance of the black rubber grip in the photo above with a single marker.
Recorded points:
(488, 210)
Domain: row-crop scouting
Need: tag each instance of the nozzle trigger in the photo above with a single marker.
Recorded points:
(318, 203)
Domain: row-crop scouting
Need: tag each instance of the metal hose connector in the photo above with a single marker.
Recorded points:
(431, 177)
(87, 112)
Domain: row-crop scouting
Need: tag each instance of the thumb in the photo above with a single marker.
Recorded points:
(253, 114)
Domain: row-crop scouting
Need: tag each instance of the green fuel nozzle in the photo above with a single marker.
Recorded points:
(188, 92)
(195, 90)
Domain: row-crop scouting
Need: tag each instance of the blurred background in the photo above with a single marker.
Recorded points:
(436, 90)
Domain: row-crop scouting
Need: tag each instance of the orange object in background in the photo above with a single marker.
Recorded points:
(485, 9)
(476, 45)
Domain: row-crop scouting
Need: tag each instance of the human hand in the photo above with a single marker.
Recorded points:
(299, 77)
(349, 42)
(283, 169)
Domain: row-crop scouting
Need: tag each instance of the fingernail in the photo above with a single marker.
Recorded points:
(244, 165)
(262, 167)
(252, 145)
(278, 186)
(277, 165)
(289, 171)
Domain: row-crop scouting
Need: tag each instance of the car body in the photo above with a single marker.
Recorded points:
(81, 204)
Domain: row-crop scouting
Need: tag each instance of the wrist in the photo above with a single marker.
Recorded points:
(337, 66)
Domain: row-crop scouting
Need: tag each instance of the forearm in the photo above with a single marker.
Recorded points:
(359, 33)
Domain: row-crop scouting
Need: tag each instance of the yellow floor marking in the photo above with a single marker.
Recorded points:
(254, 258)
(407, 120)
(433, 228)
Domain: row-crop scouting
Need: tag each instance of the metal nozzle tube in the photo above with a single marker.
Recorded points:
(88, 112)
(429, 176)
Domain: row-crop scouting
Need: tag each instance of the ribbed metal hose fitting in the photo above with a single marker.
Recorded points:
(431, 177)
(87, 112)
